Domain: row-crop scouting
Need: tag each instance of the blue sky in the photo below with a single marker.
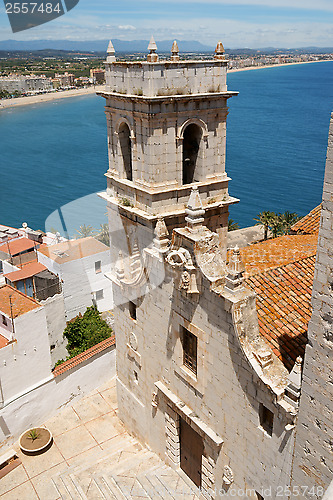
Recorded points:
(240, 23)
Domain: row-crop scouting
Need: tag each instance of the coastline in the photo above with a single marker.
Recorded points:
(28, 100)
(266, 66)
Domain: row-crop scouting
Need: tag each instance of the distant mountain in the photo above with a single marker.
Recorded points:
(101, 45)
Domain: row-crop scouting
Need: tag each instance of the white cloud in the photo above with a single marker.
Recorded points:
(127, 27)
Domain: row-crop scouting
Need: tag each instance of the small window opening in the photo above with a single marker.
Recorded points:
(191, 147)
(266, 419)
(132, 310)
(4, 320)
(98, 267)
(99, 295)
(136, 378)
(52, 347)
(190, 348)
(124, 135)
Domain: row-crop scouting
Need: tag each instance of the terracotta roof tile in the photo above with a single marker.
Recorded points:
(68, 251)
(80, 358)
(277, 252)
(3, 341)
(29, 270)
(21, 304)
(308, 224)
(284, 306)
(18, 246)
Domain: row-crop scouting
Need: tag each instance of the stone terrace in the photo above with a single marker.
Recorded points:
(92, 457)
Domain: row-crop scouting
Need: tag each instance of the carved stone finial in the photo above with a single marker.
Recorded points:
(293, 389)
(161, 240)
(234, 279)
(135, 260)
(120, 268)
(175, 52)
(152, 47)
(111, 53)
(194, 210)
(219, 51)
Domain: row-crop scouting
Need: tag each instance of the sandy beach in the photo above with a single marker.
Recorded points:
(265, 66)
(25, 101)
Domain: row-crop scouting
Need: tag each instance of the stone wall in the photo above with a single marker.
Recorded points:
(313, 462)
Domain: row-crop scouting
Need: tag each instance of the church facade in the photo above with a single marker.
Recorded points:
(197, 382)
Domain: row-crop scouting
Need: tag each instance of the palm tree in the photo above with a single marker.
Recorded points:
(288, 219)
(104, 235)
(232, 225)
(276, 225)
(265, 219)
(85, 231)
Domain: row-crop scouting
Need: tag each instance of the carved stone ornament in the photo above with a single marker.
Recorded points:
(228, 475)
(133, 341)
(154, 400)
(185, 281)
(176, 259)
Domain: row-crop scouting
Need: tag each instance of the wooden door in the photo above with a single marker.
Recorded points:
(191, 451)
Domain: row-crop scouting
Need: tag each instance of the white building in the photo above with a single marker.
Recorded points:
(81, 265)
(25, 359)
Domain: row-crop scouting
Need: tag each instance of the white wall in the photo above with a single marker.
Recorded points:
(27, 361)
(56, 324)
(80, 282)
(35, 407)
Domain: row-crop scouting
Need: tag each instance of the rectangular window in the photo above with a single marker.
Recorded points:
(190, 348)
(132, 310)
(4, 320)
(99, 295)
(98, 267)
(266, 419)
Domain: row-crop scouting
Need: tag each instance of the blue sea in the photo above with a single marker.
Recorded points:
(53, 154)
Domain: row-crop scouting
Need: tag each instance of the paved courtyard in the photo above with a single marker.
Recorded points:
(92, 457)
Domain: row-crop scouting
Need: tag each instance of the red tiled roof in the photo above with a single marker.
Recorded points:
(3, 341)
(277, 252)
(284, 307)
(29, 270)
(18, 246)
(80, 358)
(309, 224)
(21, 304)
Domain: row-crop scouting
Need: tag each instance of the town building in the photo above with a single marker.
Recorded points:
(97, 75)
(81, 266)
(25, 84)
(210, 343)
(66, 79)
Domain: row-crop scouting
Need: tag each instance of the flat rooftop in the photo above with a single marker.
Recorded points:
(68, 251)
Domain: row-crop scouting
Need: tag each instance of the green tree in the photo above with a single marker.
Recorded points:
(288, 219)
(265, 219)
(232, 225)
(85, 231)
(84, 332)
(104, 235)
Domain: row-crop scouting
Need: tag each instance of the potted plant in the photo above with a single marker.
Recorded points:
(35, 440)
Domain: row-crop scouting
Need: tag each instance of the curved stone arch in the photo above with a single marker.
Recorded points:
(122, 120)
(190, 121)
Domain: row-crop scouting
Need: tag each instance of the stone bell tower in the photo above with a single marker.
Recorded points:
(166, 123)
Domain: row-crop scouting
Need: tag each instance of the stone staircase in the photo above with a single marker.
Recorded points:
(125, 470)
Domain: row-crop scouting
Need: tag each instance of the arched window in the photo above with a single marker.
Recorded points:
(124, 135)
(191, 152)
